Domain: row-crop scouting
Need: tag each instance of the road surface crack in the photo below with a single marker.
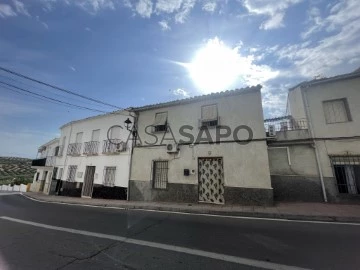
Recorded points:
(85, 258)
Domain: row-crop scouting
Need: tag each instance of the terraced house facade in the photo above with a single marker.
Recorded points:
(215, 148)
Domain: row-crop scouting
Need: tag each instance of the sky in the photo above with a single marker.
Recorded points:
(132, 53)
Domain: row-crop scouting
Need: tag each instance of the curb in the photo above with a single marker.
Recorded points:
(279, 216)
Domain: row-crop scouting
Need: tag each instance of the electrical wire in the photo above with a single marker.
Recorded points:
(52, 99)
(58, 88)
(55, 94)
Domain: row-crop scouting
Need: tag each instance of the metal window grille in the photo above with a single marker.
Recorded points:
(347, 173)
(160, 128)
(109, 176)
(71, 173)
(160, 174)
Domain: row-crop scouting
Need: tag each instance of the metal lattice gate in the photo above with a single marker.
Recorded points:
(211, 180)
(88, 181)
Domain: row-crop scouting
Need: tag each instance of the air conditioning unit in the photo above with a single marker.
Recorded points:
(271, 130)
(172, 148)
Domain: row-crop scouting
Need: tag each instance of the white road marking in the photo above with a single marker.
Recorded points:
(190, 251)
(199, 214)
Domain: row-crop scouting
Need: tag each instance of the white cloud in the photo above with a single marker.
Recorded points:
(6, 11)
(275, 9)
(315, 21)
(144, 8)
(72, 68)
(168, 6)
(330, 53)
(88, 29)
(94, 6)
(20, 8)
(186, 8)
(181, 92)
(164, 25)
(209, 6)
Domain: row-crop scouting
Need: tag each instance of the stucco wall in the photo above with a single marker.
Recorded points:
(302, 159)
(245, 166)
(295, 104)
(349, 89)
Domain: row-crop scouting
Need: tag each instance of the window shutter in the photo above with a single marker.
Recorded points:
(95, 135)
(160, 119)
(209, 112)
(335, 111)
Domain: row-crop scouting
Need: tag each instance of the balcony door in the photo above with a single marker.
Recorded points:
(88, 182)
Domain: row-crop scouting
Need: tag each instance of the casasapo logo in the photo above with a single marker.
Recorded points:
(187, 135)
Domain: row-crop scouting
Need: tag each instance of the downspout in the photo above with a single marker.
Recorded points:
(133, 142)
(307, 113)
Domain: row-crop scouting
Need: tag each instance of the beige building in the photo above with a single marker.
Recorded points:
(210, 148)
(314, 153)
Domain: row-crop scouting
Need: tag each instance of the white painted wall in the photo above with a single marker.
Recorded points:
(244, 165)
(121, 161)
(349, 89)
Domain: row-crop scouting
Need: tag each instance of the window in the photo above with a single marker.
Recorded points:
(160, 174)
(79, 136)
(60, 173)
(71, 173)
(160, 124)
(37, 176)
(55, 170)
(95, 135)
(336, 111)
(109, 176)
(209, 116)
(347, 173)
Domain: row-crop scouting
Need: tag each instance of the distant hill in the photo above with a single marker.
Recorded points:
(15, 168)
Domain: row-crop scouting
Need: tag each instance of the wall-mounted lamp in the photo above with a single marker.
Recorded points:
(127, 123)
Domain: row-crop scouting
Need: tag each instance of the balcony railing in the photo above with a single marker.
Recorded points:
(74, 149)
(91, 148)
(40, 162)
(284, 123)
(114, 146)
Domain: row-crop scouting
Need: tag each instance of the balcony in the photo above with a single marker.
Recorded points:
(40, 162)
(91, 148)
(286, 128)
(74, 149)
(113, 146)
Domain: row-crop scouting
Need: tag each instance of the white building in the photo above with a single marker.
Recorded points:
(314, 154)
(174, 159)
(93, 159)
(44, 165)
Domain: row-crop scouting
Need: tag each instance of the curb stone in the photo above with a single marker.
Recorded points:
(296, 217)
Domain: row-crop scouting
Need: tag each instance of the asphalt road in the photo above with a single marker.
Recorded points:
(35, 235)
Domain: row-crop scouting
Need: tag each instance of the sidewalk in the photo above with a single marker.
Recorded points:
(293, 211)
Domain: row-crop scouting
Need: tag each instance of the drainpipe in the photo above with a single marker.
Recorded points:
(310, 127)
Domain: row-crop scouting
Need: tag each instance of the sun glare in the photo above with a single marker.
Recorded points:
(215, 67)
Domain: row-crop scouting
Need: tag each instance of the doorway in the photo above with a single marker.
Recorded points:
(211, 180)
(88, 182)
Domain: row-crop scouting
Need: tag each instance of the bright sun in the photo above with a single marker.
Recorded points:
(215, 67)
